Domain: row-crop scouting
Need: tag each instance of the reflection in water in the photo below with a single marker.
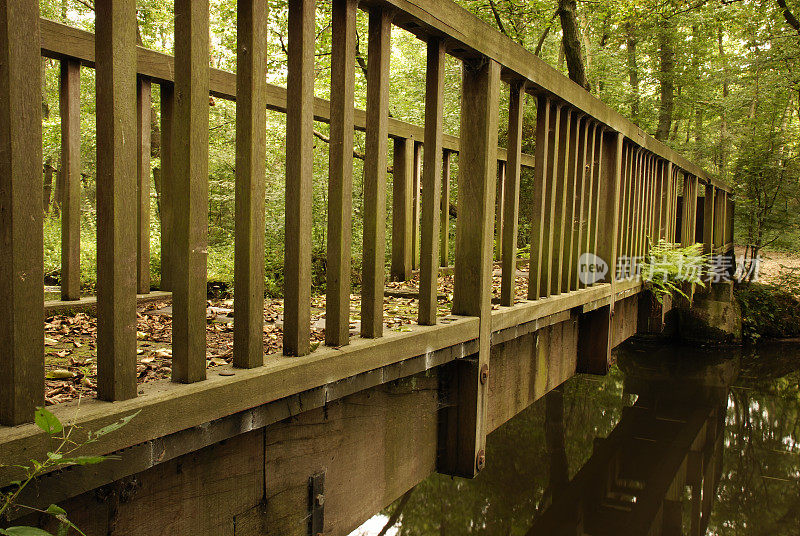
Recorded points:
(673, 441)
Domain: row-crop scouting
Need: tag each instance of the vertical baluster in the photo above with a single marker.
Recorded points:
(596, 189)
(444, 226)
(638, 198)
(473, 267)
(660, 201)
(536, 286)
(560, 199)
(379, 52)
(549, 223)
(340, 181)
(190, 164)
(653, 185)
(667, 203)
(630, 201)
(608, 209)
(686, 238)
(580, 192)
(708, 220)
(591, 183)
(115, 52)
(431, 173)
(511, 192)
(647, 204)
(567, 266)
(143, 106)
(402, 211)
(416, 208)
(498, 214)
(21, 194)
(299, 174)
(70, 104)
(623, 209)
(251, 154)
(167, 185)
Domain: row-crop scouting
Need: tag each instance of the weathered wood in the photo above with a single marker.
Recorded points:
(251, 154)
(70, 104)
(444, 225)
(568, 263)
(591, 183)
(599, 162)
(190, 166)
(668, 204)
(415, 208)
(431, 173)
(465, 424)
(373, 278)
(144, 128)
(498, 213)
(116, 199)
(624, 209)
(559, 213)
(21, 193)
(608, 210)
(708, 220)
(340, 178)
(402, 212)
(536, 286)
(581, 201)
(511, 192)
(549, 222)
(299, 178)
(594, 341)
(167, 186)
(687, 231)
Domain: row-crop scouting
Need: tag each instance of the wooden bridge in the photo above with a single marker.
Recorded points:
(232, 451)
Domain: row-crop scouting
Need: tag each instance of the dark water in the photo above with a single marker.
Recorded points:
(673, 441)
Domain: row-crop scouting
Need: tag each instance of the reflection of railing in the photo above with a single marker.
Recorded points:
(601, 186)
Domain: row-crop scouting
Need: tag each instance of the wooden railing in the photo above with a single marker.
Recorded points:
(602, 186)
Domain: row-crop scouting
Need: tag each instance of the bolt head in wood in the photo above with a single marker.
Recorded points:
(484, 374)
(480, 461)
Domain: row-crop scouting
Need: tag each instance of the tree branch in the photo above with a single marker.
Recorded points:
(789, 16)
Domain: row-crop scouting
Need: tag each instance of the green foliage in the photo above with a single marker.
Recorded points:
(64, 453)
(669, 266)
(768, 311)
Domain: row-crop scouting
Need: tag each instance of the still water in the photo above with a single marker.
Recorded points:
(674, 441)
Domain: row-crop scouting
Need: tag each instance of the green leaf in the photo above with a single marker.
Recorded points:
(114, 426)
(24, 531)
(55, 510)
(84, 460)
(48, 422)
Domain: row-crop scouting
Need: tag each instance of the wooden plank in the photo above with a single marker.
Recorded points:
(498, 213)
(21, 193)
(402, 212)
(190, 165)
(251, 154)
(600, 138)
(466, 441)
(299, 178)
(70, 105)
(340, 177)
(548, 240)
(116, 200)
(513, 172)
(686, 207)
(444, 225)
(379, 53)
(667, 207)
(581, 202)
(167, 186)
(708, 220)
(535, 283)
(559, 213)
(431, 194)
(625, 211)
(143, 127)
(591, 184)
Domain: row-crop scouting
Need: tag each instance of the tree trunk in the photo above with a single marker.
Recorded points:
(633, 72)
(667, 79)
(567, 10)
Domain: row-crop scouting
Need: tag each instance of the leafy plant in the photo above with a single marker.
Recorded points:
(668, 266)
(63, 454)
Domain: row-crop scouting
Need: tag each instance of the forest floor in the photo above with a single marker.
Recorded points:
(71, 340)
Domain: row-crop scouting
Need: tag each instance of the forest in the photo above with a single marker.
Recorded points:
(717, 80)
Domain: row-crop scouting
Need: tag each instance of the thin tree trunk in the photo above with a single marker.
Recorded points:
(667, 79)
(633, 72)
(567, 10)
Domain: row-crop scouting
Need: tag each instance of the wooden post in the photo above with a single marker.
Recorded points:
(299, 175)
(465, 422)
(559, 213)
(600, 138)
(379, 53)
(608, 210)
(511, 193)
(667, 211)
(402, 212)
(444, 226)
(143, 104)
(431, 173)
(498, 213)
(417, 181)
(568, 267)
(591, 185)
(190, 137)
(536, 287)
(624, 209)
(115, 51)
(70, 103)
(708, 220)
(251, 154)
(549, 223)
(340, 181)
(21, 193)
(167, 185)
(581, 201)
